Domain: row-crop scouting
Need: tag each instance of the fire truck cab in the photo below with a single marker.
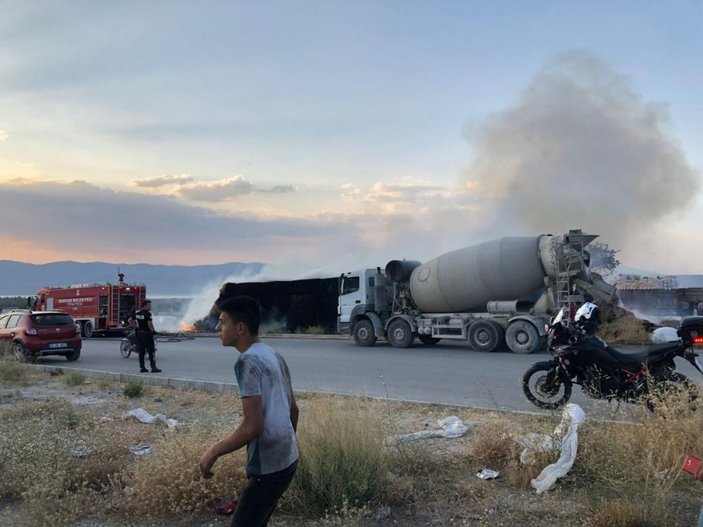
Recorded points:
(98, 308)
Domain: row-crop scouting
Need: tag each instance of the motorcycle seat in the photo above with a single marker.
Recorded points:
(649, 356)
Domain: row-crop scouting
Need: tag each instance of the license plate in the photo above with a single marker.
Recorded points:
(54, 345)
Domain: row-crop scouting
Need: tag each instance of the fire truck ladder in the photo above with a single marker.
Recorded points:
(114, 305)
(570, 258)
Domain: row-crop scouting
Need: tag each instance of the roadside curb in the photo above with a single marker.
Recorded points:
(223, 388)
(146, 378)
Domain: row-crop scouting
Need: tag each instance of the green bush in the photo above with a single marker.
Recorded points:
(133, 389)
(74, 378)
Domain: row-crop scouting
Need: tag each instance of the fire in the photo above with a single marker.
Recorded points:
(188, 328)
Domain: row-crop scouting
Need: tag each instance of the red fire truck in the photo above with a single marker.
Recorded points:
(98, 308)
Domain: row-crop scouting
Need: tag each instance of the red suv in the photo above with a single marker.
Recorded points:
(33, 334)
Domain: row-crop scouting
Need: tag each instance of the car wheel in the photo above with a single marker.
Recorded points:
(73, 355)
(21, 353)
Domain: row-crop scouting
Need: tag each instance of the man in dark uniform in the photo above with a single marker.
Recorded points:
(145, 336)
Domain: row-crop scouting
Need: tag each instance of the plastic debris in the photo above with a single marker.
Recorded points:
(572, 417)
(452, 427)
(145, 417)
(141, 449)
(487, 473)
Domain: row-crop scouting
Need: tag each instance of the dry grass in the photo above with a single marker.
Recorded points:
(625, 329)
(626, 475)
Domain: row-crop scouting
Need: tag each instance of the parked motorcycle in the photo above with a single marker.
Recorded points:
(602, 371)
(128, 344)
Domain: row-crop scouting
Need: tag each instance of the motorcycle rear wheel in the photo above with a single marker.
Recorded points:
(534, 385)
(125, 348)
(673, 393)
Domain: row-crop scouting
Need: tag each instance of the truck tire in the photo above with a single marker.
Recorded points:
(522, 337)
(364, 334)
(428, 340)
(485, 335)
(399, 334)
(87, 328)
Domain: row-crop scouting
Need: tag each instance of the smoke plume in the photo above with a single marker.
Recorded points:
(581, 149)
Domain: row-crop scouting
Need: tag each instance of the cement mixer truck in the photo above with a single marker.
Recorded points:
(498, 292)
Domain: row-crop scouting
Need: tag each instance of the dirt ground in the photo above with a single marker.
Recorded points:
(450, 493)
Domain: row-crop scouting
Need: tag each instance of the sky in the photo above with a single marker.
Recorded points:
(323, 136)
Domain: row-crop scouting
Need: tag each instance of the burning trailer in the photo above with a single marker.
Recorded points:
(289, 305)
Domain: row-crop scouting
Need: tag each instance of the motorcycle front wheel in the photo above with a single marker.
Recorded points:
(125, 348)
(544, 387)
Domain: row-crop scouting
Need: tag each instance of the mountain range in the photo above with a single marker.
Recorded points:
(23, 279)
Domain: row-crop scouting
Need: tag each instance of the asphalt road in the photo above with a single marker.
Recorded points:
(447, 373)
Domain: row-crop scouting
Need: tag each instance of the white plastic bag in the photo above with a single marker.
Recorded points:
(145, 417)
(452, 427)
(572, 417)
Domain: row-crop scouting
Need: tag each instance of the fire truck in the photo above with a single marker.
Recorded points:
(99, 309)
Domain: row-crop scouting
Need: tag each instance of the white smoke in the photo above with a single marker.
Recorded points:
(581, 149)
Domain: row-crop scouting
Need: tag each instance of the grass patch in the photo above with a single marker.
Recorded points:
(74, 378)
(133, 389)
(343, 459)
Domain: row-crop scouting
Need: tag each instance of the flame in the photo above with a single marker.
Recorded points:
(188, 328)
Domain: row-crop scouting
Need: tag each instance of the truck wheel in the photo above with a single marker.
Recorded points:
(399, 334)
(485, 335)
(428, 339)
(87, 329)
(522, 337)
(364, 334)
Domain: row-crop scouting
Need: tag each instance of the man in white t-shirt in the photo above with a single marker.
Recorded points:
(270, 415)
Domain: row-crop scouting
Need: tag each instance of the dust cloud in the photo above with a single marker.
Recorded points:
(580, 149)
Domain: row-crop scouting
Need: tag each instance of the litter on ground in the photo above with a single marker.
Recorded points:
(145, 417)
(565, 435)
(452, 427)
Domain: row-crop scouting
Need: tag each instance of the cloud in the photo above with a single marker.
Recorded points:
(278, 189)
(223, 190)
(162, 181)
(77, 220)
(215, 191)
(581, 149)
(3, 136)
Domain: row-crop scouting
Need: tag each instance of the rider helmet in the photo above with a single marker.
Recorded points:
(587, 317)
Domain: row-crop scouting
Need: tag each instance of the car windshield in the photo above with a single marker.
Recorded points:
(52, 319)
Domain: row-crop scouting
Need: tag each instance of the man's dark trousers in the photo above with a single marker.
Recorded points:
(145, 344)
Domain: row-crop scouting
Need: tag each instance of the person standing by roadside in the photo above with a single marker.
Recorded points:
(270, 415)
(145, 337)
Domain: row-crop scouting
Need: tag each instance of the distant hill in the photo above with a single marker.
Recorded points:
(19, 278)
